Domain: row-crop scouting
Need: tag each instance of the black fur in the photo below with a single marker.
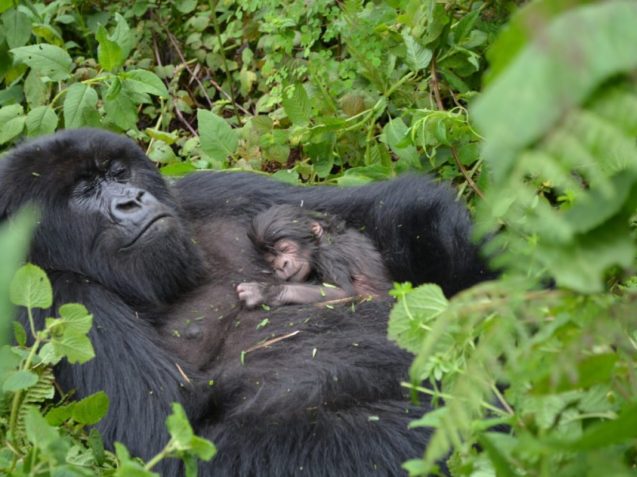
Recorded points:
(324, 400)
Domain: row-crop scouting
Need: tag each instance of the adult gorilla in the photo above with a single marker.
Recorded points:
(314, 391)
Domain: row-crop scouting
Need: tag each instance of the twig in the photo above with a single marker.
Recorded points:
(436, 90)
(180, 116)
(183, 375)
(215, 23)
(228, 97)
(265, 344)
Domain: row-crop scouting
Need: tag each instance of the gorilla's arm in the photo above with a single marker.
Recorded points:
(139, 377)
(420, 230)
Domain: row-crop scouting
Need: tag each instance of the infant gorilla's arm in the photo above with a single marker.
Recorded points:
(255, 293)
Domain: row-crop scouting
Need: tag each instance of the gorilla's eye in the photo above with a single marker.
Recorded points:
(119, 171)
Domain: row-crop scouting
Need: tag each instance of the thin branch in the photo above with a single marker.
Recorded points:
(228, 97)
(180, 116)
(435, 86)
(265, 344)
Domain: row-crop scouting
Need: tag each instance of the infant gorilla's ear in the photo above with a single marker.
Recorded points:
(317, 229)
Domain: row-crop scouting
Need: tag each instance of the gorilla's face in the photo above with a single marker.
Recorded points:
(106, 213)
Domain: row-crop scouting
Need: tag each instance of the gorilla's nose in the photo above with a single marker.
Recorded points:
(135, 205)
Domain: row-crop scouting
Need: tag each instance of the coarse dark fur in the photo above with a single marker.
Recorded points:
(337, 255)
(157, 267)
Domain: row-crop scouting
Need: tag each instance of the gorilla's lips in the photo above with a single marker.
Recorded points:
(147, 228)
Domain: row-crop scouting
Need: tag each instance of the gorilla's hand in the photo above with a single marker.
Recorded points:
(252, 293)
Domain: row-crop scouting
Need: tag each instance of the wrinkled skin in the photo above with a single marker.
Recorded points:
(158, 267)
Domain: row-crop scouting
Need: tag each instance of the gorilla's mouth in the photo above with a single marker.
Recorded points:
(146, 229)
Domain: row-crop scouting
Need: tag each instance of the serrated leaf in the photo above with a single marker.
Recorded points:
(91, 409)
(142, 81)
(109, 53)
(17, 28)
(218, 139)
(297, 106)
(80, 106)
(76, 318)
(409, 318)
(31, 288)
(418, 57)
(48, 60)
(19, 380)
(76, 348)
(41, 120)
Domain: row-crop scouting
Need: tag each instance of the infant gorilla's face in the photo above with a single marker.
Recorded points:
(290, 260)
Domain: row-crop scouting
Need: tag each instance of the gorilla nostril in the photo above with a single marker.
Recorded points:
(127, 206)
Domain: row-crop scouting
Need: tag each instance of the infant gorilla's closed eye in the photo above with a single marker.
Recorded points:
(301, 246)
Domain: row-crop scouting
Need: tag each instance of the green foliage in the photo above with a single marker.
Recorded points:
(554, 365)
(40, 437)
(291, 88)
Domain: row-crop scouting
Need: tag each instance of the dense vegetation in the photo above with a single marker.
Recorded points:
(531, 111)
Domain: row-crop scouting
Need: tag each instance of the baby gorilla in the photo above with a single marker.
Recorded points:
(307, 246)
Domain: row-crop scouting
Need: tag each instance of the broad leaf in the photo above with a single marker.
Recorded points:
(48, 60)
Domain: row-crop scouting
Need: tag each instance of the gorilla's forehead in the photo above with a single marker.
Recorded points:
(51, 165)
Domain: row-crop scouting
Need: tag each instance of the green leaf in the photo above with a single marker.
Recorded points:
(48, 60)
(179, 427)
(609, 433)
(418, 57)
(19, 380)
(120, 108)
(581, 265)
(11, 122)
(297, 106)
(109, 53)
(183, 436)
(14, 241)
(167, 137)
(129, 467)
(41, 120)
(80, 106)
(75, 318)
(409, 318)
(142, 81)
(498, 459)
(35, 90)
(17, 28)
(19, 333)
(186, 6)
(161, 152)
(604, 51)
(76, 348)
(45, 437)
(31, 288)
(394, 134)
(123, 36)
(91, 409)
(218, 139)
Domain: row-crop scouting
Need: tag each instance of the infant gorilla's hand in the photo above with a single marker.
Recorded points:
(251, 293)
